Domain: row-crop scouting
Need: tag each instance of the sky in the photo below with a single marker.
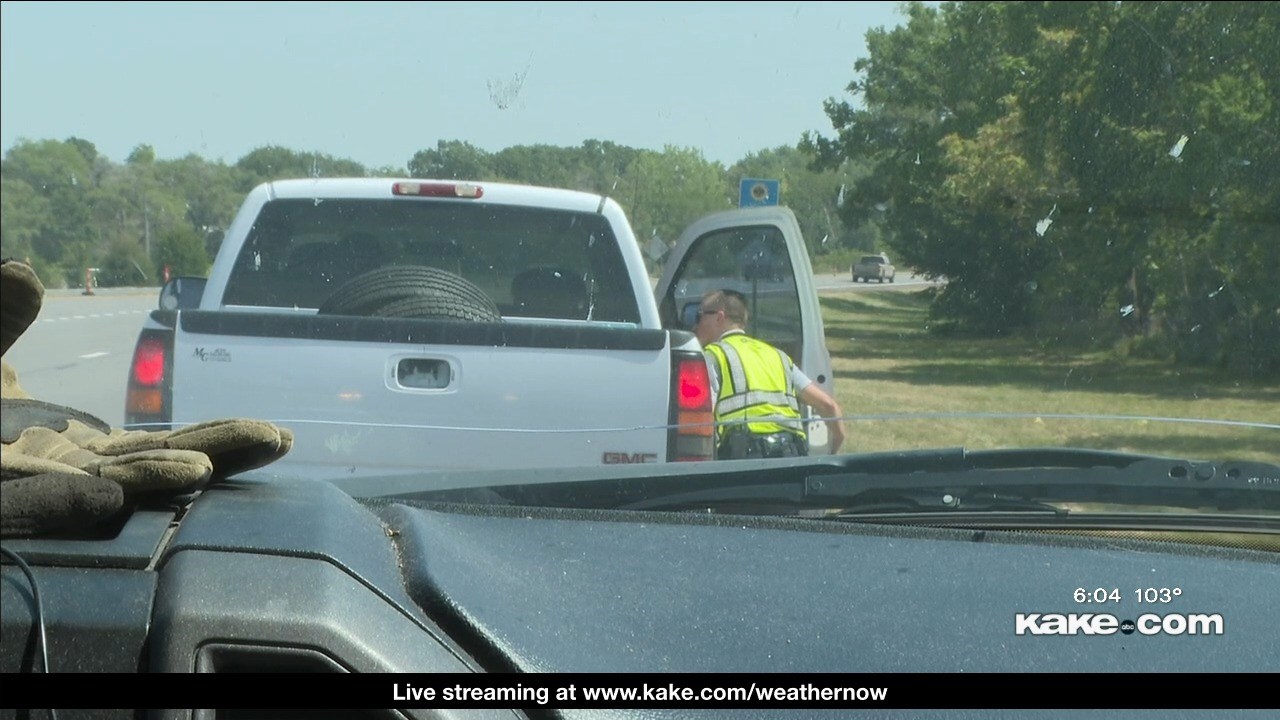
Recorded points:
(377, 82)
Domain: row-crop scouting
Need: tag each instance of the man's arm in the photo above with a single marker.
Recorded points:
(826, 406)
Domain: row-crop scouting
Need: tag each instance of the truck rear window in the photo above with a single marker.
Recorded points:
(299, 251)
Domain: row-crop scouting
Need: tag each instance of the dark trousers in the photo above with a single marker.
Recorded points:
(739, 445)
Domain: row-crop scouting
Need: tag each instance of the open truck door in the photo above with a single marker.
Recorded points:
(760, 253)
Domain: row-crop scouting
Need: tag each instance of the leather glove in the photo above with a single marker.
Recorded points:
(231, 445)
(55, 501)
(9, 387)
(56, 481)
(50, 484)
(19, 302)
(140, 461)
(136, 472)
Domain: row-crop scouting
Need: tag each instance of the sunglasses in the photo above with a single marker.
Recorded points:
(695, 318)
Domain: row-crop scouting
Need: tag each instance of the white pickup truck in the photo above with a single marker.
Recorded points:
(873, 267)
(398, 325)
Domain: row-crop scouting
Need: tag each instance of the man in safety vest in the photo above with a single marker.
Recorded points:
(757, 387)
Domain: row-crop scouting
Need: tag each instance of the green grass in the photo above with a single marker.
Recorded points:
(886, 362)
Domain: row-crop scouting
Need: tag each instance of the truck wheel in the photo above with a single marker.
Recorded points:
(369, 292)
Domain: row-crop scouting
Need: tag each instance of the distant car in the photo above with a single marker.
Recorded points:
(873, 267)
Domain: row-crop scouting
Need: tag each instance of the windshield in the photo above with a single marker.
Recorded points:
(571, 236)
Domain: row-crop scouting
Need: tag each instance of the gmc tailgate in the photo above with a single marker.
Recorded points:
(372, 396)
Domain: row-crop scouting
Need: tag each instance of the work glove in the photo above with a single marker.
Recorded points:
(64, 469)
(142, 460)
(49, 483)
(9, 387)
(51, 502)
(77, 475)
(19, 302)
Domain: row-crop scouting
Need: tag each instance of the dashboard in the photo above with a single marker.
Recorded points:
(302, 577)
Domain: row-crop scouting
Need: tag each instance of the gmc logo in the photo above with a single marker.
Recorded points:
(621, 458)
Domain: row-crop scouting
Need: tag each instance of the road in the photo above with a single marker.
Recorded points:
(78, 351)
(830, 282)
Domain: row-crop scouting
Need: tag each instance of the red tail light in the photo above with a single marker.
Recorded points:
(148, 398)
(694, 385)
(148, 362)
(692, 434)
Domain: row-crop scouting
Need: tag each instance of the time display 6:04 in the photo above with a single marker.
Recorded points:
(1142, 595)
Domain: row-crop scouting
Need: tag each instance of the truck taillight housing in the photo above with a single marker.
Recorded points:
(692, 435)
(148, 403)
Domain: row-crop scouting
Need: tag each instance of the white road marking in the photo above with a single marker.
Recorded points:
(87, 317)
(93, 355)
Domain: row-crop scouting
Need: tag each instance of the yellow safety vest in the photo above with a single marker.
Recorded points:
(755, 387)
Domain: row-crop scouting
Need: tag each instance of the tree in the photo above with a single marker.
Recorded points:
(663, 192)
(210, 194)
(1097, 162)
(278, 163)
(452, 160)
(602, 165)
(142, 155)
(25, 216)
(546, 165)
(140, 202)
(181, 249)
(124, 264)
(86, 149)
(59, 173)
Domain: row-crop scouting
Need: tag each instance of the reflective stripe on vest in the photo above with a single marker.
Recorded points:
(755, 386)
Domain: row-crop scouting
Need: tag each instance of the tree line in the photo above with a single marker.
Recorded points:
(66, 207)
(1107, 166)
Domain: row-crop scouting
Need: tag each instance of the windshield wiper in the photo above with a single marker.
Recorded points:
(1006, 481)
(843, 501)
(1210, 522)
(1034, 480)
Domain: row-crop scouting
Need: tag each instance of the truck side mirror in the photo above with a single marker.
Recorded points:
(689, 315)
(182, 293)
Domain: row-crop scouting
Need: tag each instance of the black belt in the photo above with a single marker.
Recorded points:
(740, 444)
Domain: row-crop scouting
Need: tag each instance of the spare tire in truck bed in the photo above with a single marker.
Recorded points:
(411, 291)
